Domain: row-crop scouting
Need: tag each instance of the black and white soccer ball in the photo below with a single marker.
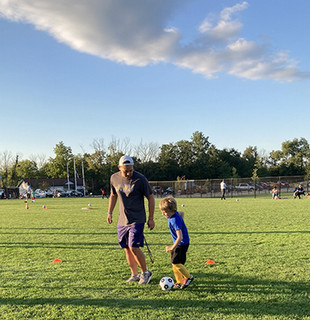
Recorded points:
(166, 283)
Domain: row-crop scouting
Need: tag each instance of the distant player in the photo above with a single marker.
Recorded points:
(178, 230)
(223, 189)
(299, 191)
(275, 193)
(103, 194)
(33, 196)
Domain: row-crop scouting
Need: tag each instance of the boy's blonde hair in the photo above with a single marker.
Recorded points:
(168, 204)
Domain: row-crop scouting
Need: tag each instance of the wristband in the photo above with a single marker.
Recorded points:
(151, 218)
(110, 212)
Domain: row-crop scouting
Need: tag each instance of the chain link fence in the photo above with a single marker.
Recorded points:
(236, 187)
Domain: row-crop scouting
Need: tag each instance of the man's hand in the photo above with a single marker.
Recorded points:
(151, 224)
(109, 218)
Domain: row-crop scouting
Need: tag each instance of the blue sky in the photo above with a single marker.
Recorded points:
(153, 71)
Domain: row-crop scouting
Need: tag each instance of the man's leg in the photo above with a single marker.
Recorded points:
(138, 257)
(135, 241)
(131, 262)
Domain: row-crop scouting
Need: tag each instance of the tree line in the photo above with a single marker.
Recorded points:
(196, 158)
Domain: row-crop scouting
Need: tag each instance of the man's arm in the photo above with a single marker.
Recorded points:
(112, 203)
(150, 222)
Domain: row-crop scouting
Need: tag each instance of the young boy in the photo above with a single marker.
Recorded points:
(178, 230)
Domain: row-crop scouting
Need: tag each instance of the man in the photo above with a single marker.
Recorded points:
(223, 189)
(130, 187)
(299, 191)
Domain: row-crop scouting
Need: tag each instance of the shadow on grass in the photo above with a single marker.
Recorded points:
(60, 231)
(60, 245)
(209, 293)
(99, 232)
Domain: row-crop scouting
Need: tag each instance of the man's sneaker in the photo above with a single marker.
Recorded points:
(145, 277)
(186, 282)
(177, 285)
(134, 278)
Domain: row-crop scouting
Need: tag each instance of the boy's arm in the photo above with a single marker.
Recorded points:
(177, 241)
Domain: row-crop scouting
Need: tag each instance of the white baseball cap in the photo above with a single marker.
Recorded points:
(126, 161)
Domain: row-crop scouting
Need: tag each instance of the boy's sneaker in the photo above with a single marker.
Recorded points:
(134, 278)
(177, 285)
(145, 277)
(186, 282)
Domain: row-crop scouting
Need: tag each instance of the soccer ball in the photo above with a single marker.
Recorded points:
(166, 283)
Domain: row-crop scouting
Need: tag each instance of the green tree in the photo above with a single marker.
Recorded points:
(232, 159)
(26, 169)
(57, 167)
(168, 162)
(250, 157)
(292, 159)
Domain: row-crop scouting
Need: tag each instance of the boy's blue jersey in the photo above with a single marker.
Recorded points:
(175, 223)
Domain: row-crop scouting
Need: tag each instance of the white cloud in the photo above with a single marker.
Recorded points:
(228, 12)
(138, 32)
(130, 32)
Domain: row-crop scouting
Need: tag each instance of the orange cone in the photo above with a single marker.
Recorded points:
(210, 262)
(57, 260)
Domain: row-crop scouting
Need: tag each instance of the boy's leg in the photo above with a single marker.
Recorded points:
(177, 274)
(178, 258)
(180, 269)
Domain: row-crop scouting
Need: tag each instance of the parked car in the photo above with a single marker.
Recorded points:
(168, 191)
(266, 186)
(259, 187)
(282, 184)
(244, 187)
(49, 193)
(73, 193)
(38, 193)
(157, 190)
(82, 190)
(2, 193)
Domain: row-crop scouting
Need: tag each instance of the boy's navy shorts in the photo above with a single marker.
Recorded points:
(131, 236)
(178, 256)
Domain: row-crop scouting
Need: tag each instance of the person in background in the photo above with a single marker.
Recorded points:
(223, 189)
(299, 191)
(275, 193)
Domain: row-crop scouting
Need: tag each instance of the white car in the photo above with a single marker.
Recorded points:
(40, 193)
(244, 187)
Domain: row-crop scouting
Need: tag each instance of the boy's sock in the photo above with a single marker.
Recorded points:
(180, 268)
(178, 275)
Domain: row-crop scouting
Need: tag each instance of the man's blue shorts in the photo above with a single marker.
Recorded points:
(131, 236)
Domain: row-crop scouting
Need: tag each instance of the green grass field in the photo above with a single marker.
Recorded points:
(260, 246)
